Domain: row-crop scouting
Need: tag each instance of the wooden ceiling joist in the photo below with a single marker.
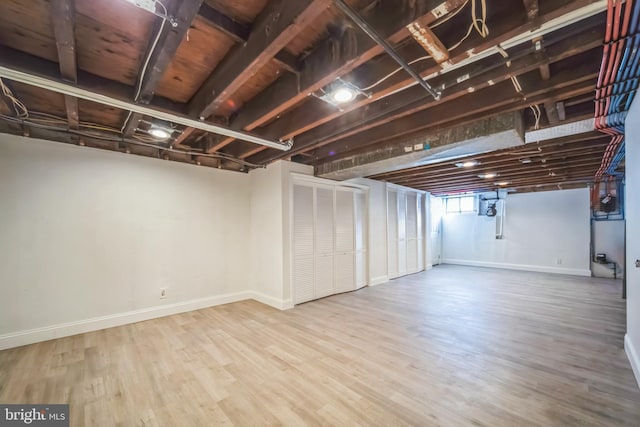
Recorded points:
(466, 109)
(539, 148)
(63, 16)
(306, 118)
(161, 55)
(405, 103)
(240, 32)
(337, 57)
(42, 67)
(274, 28)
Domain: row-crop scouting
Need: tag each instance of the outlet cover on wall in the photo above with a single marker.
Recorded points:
(558, 261)
(163, 293)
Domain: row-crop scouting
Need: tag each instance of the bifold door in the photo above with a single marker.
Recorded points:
(329, 243)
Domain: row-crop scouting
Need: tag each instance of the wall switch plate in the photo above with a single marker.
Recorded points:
(163, 293)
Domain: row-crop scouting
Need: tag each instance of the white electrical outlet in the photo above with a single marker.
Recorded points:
(163, 293)
(558, 261)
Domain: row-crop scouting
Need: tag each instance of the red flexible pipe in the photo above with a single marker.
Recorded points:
(627, 18)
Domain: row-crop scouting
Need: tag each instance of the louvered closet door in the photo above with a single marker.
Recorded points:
(392, 229)
(324, 283)
(402, 234)
(303, 244)
(412, 233)
(420, 225)
(361, 239)
(344, 261)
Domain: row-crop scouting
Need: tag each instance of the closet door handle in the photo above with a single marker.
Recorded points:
(638, 263)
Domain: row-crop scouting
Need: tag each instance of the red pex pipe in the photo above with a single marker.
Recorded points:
(627, 18)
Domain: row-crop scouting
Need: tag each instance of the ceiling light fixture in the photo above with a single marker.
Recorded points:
(343, 94)
(503, 183)
(468, 164)
(490, 175)
(159, 133)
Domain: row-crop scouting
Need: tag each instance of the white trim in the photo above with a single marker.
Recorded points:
(31, 336)
(522, 267)
(428, 267)
(298, 178)
(379, 280)
(632, 354)
(271, 301)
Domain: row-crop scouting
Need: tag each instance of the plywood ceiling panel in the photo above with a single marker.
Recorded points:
(244, 11)
(112, 38)
(198, 55)
(26, 26)
(261, 79)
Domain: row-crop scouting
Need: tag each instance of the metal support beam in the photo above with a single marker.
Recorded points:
(65, 88)
(364, 25)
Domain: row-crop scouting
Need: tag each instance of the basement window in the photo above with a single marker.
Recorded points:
(461, 204)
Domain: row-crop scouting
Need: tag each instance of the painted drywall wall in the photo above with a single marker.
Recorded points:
(608, 238)
(546, 231)
(266, 244)
(88, 237)
(269, 244)
(378, 257)
(632, 197)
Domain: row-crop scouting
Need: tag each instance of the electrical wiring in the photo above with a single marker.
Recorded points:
(483, 30)
(537, 114)
(21, 109)
(393, 73)
(449, 16)
(145, 65)
(134, 141)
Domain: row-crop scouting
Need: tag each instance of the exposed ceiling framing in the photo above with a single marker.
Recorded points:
(267, 66)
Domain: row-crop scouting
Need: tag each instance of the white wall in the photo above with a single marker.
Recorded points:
(608, 239)
(89, 234)
(632, 197)
(546, 231)
(269, 243)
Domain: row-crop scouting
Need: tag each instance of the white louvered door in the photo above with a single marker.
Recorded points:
(402, 233)
(361, 238)
(303, 244)
(392, 230)
(344, 267)
(412, 233)
(420, 227)
(329, 239)
(324, 247)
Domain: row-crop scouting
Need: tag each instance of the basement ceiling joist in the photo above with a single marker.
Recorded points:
(252, 65)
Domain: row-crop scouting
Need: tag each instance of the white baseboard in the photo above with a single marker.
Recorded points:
(428, 267)
(632, 354)
(375, 281)
(17, 339)
(271, 301)
(522, 267)
(31, 336)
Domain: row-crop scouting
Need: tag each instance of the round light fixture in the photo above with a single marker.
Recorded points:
(159, 133)
(343, 94)
(468, 164)
(503, 183)
(490, 175)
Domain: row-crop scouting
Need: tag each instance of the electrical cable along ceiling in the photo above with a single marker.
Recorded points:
(239, 84)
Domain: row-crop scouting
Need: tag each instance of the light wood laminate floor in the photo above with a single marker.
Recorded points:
(454, 346)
